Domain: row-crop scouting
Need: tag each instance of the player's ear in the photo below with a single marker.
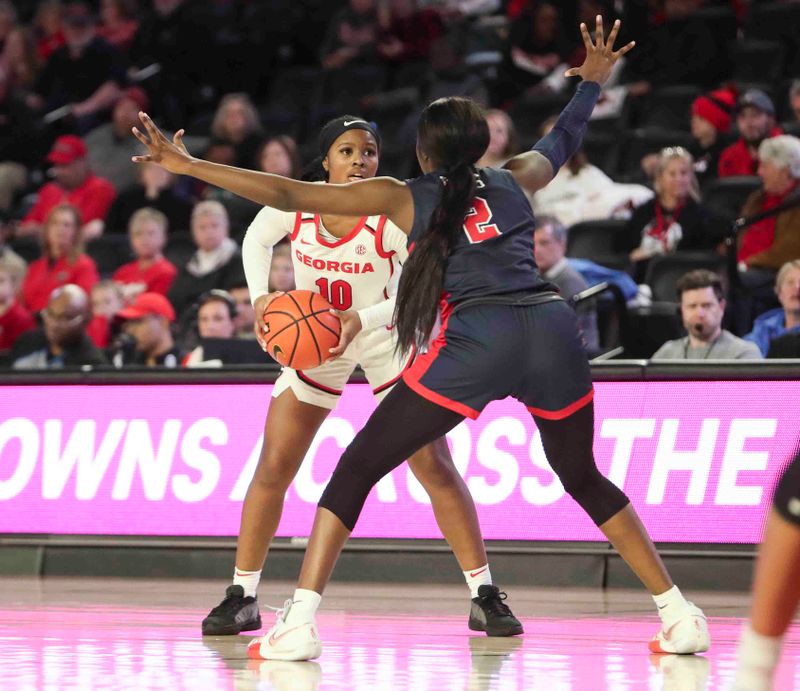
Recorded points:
(325, 164)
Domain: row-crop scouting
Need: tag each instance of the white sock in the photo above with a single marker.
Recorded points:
(304, 606)
(475, 578)
(248, 580)
(671, 605)
(758, 657)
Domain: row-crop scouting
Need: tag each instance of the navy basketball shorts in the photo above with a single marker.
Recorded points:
(486, 352)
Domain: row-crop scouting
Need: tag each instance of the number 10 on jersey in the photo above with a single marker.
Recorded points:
(339, 293)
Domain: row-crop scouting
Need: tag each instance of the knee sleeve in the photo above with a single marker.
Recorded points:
(787, 494)
(349, 486)
(596, 495)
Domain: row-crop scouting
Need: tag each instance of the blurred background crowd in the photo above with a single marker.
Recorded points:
(106, 263)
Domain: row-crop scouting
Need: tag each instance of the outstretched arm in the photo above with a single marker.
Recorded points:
(377, 196)
(535, 168)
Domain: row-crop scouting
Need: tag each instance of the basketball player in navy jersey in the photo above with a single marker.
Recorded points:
(471, 235)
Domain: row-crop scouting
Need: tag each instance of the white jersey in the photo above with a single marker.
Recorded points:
(357, 272)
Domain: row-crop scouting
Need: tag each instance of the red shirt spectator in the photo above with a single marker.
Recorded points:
(14, 322)
(150, 272)
(76, 185)
(62, 262)
(755, 120)
(157, 277)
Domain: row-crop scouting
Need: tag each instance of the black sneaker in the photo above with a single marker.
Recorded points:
(490, 614)
(236, 613)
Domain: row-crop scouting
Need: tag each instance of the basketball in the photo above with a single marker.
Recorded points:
(300, 329)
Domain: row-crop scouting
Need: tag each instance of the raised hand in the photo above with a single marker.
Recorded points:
(171, 155)
(600, 53)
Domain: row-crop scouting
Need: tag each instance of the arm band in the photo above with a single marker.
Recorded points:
(567, 134)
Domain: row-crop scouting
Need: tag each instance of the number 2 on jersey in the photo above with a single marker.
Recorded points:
(477, 222)
(339, 293)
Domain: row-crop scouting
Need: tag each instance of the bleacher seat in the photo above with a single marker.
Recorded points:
(757, 60)
(663, 272)
(777, 21)
(725, 196)
(180, 248)
(109, 252)
(595, 240)
(27, 248)
(669, 107)
(640, 142)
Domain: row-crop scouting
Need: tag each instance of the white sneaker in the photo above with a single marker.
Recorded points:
(287, 642)
(687, 635)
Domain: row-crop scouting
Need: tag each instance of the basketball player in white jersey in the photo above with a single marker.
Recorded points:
(354, 263)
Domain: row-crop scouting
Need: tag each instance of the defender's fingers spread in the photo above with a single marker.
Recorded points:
(625, 49)
(587, 39)
(144, 140)
(571, 72)
(599, 31)
(613, 35)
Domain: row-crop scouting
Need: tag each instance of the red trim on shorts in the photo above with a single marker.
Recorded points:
(440, 400)
(564, 412)
(308, 380)
(421, 365)
(341, 241)
(394, 381)
(379, 239)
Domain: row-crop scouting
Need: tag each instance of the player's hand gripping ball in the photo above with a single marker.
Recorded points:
(300, 329)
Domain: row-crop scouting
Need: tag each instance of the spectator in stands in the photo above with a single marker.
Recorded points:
(538, 49)
(702, 304)
(75, 184)
(147, 320)
(236, 123)
(245, 314)
(150, 272)
(174, 37)
(351, 35)
(63, 260)
(107, 299)
(794, 99)
(549, 250)
(768, 244)
(502, 140)
(406, 31)
(21, 144)
(6, 253)
(14, 318)
(118, 23)
(216, 314)
(712, 116)
(217, 261)
(279, 155)
(755, 120)
(281, 270)
(784, 319)
(111, 145)
(84, 75)
(674, 220)
(63, 341)
(581, 191)
(155, 188)
(47, 28)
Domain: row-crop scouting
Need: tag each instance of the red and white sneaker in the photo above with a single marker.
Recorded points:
(287, 641)
(687, 635)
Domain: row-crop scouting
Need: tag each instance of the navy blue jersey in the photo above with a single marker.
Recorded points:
(494, 252)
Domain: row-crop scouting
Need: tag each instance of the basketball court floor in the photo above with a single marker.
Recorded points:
(84, 634)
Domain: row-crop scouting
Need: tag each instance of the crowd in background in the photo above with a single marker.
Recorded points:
(105, 262)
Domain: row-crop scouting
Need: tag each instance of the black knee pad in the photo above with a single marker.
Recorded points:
(597, 496)
(348, 489)
(787, 494)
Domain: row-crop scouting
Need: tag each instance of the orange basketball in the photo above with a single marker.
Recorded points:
(300, 329)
